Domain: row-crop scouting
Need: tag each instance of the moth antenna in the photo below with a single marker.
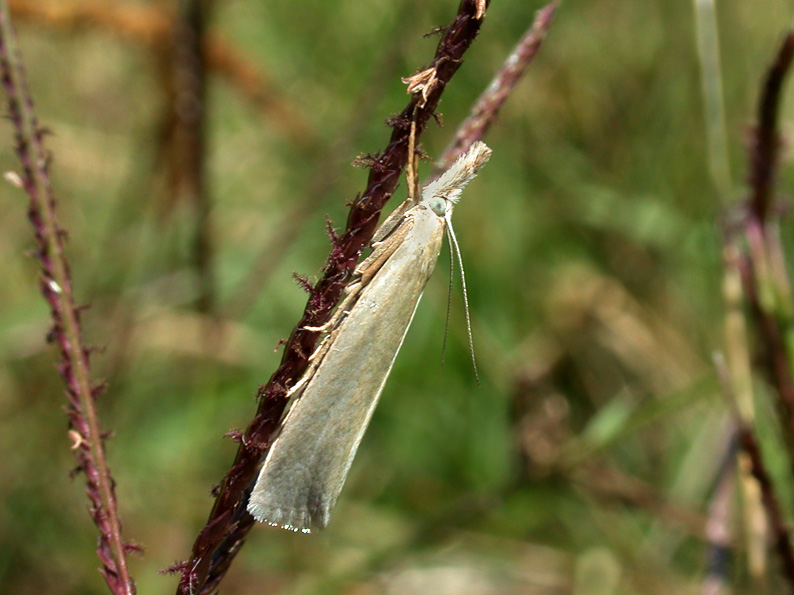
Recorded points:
(465, 296)
(449, 300)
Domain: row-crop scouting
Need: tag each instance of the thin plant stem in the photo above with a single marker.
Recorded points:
(763, 272)
(56, 285)
(765, 151)
(713, 102)
(759, 265)
(189, 169)
(487, 107)
(735, 375)
(325, 178)
(228, 523)
(782, 542)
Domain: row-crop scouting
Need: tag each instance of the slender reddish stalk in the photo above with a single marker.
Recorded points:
(777, 523)
(766, 143)
(766, 289)
(228, 523)
(490, 102)
(766, 284)
(56, 285)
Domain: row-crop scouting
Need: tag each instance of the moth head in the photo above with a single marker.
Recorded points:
(442, 193)
(439, 205)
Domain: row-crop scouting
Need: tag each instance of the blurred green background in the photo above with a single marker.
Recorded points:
(585, 461)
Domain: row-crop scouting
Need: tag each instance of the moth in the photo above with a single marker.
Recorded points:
(307, 464)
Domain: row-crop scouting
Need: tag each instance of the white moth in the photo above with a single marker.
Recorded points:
(307, 465)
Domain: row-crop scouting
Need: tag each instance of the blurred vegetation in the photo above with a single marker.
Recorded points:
(586, 460)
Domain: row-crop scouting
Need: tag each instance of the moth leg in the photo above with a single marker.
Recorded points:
(393, 220)
(299, 384)
(353, 290)
(365, 271)
(314, 360)
(382, 251)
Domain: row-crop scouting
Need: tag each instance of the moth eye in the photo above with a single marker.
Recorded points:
(438, 205)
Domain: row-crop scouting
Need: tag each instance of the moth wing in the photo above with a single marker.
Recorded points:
(306, 467)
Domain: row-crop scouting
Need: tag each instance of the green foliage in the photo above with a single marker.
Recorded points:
(593, 254)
